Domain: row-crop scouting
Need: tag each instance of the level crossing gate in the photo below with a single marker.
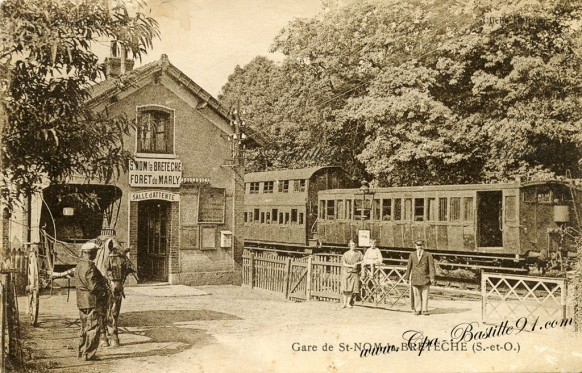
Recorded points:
(318, 277)
(510, 297)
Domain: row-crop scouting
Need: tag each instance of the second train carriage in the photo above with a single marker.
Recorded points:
(281, 206)
(489, 224)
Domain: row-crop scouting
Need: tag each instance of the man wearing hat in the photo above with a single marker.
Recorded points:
(420, 274)
(91, 301)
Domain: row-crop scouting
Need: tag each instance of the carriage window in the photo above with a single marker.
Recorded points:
(283, 186)
(293, 215)
(544, 196)
(455, 208)
(256, 215)
(357, 209)
(386, 209)
(376, 209)
(154, 131)
(349, 209)
(432, 209)
(468, 209)
(281, 218)
(286, 218)
(398, 209)
(361, 210)
(267, 217)
(418, 209)
(300, 218)
(322, 209)
(299, 185)
(274, 213)
(341, 214)
(442, 209)
(246, 217)
(330, 209)
(407, 209)
(510, 210)
(262, 217)
(268, 186)
(254, 188)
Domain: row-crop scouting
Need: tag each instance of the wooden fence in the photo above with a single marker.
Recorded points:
(14, 260)
(318, 277)
(10, 343)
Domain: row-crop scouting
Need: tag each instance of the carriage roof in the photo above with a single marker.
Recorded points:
(453, 187)
(292, 174)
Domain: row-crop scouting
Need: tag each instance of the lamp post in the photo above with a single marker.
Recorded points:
(364, 234)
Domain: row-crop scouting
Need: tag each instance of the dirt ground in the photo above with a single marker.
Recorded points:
(235, 329)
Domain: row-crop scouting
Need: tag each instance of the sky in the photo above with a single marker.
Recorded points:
(206, 39)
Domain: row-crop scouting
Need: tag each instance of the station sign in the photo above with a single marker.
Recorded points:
(154, 194)
(155, 173)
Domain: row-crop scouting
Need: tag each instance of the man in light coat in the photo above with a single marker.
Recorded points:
(420, 273)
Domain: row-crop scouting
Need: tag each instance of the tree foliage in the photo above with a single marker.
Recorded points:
(48, 65)
(415, 92)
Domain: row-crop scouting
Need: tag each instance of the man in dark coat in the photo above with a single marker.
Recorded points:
(420, 274)
(91, 301)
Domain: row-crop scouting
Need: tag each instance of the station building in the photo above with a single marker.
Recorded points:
(175, 207)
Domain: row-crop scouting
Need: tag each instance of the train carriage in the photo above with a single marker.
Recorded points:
(480, 223)
(281, 206)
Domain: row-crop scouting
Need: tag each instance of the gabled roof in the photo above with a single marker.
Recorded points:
(293, 174)
(110, 87)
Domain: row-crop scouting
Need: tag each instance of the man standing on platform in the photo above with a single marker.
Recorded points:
(92, 296)
(420, 273)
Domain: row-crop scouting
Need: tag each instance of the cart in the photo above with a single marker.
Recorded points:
(42, 258)
(40, 267)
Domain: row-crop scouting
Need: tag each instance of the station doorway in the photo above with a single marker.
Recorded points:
(153, 222)
(489, 219)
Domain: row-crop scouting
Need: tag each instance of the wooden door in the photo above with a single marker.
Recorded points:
(153, 240)
(511, 221)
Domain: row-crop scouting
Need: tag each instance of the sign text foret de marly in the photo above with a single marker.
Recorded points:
(156, 173)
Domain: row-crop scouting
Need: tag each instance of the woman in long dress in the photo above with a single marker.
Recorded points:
(350, 283)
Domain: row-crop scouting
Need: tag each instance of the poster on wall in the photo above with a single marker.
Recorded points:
(363, 237)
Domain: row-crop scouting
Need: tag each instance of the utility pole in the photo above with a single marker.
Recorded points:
(238, 137)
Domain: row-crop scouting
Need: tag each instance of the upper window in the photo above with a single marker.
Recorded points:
(268, 186)
(283, 186)
(387, 209)
(455, 208)
(254, 187)
(419, 209)
(155, 130)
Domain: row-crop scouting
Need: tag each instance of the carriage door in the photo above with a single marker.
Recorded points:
(152, 251)
(489, 219)
(510, 220)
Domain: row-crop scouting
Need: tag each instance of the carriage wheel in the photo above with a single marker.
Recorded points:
(32, 288)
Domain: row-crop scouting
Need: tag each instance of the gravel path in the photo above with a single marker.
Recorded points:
(234, 329)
